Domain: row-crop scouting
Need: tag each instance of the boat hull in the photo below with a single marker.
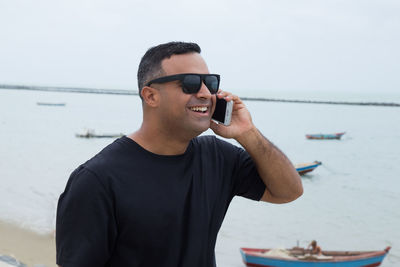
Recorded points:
(50, 104)
(308, 167)
(325, 136)
(364, 259)
(98, 135)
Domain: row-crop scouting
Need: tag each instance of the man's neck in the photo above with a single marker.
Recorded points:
(159, 143)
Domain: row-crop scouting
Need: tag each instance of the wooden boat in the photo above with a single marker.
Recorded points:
(50, 104)
(300, 257)
(325, 136)
(91, 134)
(303, 168)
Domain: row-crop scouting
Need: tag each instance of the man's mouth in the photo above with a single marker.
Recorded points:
(199, 109)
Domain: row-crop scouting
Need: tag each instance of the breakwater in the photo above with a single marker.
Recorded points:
(69, 89)
(135, 92)
(353, 103)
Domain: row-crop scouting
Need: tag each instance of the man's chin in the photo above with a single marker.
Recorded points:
(200, 128)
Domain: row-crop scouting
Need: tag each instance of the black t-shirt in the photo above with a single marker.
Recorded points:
(128, 207)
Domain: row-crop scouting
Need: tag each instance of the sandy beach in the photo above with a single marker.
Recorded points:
(27, 246)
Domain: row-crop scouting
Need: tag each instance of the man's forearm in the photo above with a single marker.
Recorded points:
(283, 183)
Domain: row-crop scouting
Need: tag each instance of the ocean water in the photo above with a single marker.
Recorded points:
(351, 202)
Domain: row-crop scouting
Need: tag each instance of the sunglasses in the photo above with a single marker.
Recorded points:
(191, 82)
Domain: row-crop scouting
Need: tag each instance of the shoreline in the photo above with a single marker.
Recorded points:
(27, 246)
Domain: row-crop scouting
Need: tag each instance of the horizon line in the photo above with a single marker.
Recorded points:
(133, 92)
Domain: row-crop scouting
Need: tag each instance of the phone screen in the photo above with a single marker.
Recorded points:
(220, 110)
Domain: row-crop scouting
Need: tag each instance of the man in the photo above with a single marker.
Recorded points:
(158, 196)
(315, 249)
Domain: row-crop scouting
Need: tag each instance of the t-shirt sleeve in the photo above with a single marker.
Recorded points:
(244, 178)
(247, 181)
(85, 227)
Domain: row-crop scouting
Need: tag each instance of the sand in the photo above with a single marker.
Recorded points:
(27, 246)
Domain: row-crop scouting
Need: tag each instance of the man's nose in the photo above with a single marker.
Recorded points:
(203, 92)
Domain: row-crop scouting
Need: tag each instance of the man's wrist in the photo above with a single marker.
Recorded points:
(248, 137)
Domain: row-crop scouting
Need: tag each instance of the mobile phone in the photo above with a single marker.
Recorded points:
(223, 111)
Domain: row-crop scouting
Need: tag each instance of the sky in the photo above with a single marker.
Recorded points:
(256, 45)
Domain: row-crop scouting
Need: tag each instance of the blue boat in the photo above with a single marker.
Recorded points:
(325, 136)
(300, 257)
(303, 168)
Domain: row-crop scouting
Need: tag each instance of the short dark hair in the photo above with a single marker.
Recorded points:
(150, 65)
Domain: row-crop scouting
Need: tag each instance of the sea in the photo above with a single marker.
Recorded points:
(350, 202)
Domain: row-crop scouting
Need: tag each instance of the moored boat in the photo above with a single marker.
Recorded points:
(50, 104)
(300, 257)
(325, 136)
(304, 168)
(91, 134)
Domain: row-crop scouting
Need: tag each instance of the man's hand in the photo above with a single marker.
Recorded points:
(241, 119)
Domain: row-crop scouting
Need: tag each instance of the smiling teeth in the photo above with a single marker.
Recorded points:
(202, 109)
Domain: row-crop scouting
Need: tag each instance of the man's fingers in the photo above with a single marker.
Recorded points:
(214, 126)
(228, 96)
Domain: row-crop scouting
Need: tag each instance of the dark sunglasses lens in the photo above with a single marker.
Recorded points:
(212, 83)
(191, 84)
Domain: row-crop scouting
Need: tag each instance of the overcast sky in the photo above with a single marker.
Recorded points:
(280, 45)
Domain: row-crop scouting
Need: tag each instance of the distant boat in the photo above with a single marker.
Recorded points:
(300, 257)
(303, 168)
(325, 136)
(91, 134)
(50, 104)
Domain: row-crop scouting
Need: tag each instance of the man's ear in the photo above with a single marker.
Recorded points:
(150, 95)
